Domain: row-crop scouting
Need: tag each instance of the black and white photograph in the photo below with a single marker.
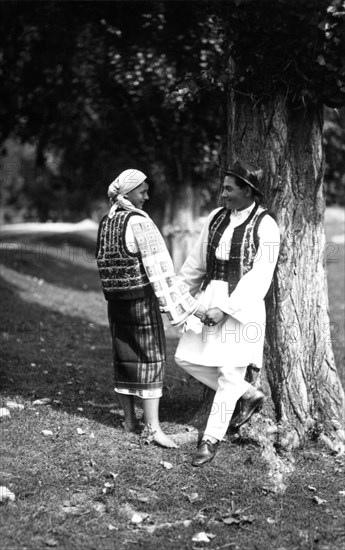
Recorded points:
(172, 252)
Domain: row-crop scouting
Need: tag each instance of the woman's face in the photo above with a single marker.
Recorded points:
(235, 197)
(139, 195)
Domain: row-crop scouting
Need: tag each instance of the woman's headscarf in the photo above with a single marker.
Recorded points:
(124, 183)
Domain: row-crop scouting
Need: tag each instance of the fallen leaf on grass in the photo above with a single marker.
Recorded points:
(69, 508)
(271, 521)
(248, 519)
(319, 500)
(311, 488)
(142, 498)
(111, 474)
(193, 497)
(342, 493)
(80, 431)
(187, 522)
(4, 414)
(167, 525)
(166, 465)
(98, 405)
(138, 518)
(46, 433)
(12, 405)
(230, 520)
(203, 537)
(237, 517)
(51, 542)
(43, 401)
(112, 527)
(6, 495)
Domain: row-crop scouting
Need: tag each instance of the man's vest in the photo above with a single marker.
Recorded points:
(121, 271)
(243, 249)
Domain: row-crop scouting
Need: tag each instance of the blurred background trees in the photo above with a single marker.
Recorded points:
(334, 146)
(90, 88)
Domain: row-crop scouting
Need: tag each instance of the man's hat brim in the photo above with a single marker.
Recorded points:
(237, 175)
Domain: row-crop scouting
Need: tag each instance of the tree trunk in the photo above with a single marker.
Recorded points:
(179, 226)
(286, 142)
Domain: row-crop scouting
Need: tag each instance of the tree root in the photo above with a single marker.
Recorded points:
(336, 443)
(263, 432)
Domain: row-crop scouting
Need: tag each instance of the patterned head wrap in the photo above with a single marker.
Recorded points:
(124, 183)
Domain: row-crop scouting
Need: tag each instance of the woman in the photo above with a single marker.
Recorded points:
(138, 280)
(233, 263)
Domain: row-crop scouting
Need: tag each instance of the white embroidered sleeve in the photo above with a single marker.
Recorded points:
(172, 293)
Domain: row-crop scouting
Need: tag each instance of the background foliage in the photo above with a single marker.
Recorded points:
(91, 88)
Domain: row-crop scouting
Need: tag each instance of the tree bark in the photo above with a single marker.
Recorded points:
(179, 226)
(286, 142)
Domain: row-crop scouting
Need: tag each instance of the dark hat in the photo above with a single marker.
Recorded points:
(247, 174)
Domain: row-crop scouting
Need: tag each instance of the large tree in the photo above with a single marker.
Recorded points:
(284, 60)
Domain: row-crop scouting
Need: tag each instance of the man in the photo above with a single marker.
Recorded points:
(232, 265)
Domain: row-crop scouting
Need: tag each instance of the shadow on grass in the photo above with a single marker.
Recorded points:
(66, 260)
(47, 354)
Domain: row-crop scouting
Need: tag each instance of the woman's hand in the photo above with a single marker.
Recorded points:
(214, 315)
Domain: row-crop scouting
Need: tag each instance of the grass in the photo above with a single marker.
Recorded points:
(80, 490)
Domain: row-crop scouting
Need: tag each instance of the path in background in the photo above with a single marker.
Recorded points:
(21, 235)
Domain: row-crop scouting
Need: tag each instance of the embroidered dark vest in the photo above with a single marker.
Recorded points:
(122, 273)
(244, 245)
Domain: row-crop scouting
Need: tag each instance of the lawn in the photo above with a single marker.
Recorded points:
(80, 482)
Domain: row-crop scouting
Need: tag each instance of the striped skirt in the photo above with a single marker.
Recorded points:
(139, 348)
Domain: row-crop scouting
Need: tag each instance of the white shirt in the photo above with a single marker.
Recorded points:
(245, 307)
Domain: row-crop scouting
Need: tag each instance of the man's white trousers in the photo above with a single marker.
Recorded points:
(229, 385)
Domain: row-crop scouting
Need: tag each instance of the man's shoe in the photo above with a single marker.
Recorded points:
(206, 452)
(245, 407)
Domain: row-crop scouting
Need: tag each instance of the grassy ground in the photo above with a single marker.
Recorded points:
(86, 485)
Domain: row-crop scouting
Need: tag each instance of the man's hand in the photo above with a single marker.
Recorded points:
(214, 315)
(201, 313)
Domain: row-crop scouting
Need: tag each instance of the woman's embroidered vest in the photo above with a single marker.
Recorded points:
(244, 245)
(122, 273)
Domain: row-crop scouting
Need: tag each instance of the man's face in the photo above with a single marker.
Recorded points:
(233, 196)
(139, 195)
